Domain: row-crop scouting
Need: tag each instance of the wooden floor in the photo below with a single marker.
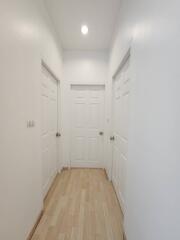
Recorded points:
(81, 205)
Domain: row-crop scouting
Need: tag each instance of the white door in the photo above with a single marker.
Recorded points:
(121, 92)
(87, 126)
(49, 122)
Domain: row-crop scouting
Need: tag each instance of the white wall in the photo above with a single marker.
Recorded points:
(80, 67)
(26, 36)
(85, 67)
(151, 28)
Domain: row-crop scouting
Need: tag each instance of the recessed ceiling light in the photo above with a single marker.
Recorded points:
(84, 29)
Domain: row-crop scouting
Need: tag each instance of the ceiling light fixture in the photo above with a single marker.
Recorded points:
(84, 29)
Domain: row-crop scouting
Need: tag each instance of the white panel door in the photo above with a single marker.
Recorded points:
(121, 92)
(86, 126)
(49, 128)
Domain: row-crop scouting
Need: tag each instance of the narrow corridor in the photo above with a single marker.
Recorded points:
(81, 205)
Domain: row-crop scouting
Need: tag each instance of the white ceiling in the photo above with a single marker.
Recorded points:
(69, 15)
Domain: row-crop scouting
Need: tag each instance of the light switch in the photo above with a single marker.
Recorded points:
(30, 124)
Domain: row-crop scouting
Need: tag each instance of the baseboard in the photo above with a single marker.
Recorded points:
(93, 168)
(120, 201)
(124, 236)
(50, 188)
(35, 225)
(60, 169)
(86, 165)
(64, 169)
(118, 198)
(106, 175)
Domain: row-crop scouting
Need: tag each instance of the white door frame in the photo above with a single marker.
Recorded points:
(119, 181)
(59, 127)
(126, 56)
(103, 86)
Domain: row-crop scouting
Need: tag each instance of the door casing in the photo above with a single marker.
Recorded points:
(57, 142)
(120, 90)
(88, 134)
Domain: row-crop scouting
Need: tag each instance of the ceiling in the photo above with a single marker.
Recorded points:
(99, 15)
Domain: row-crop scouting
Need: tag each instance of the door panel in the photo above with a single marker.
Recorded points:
(80, 114)
(94, 115)
(121, 92)
(49, 128)
(78, 147)
(92, 149)
(87, 122)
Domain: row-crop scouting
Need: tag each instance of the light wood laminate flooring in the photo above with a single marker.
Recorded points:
(81, 205)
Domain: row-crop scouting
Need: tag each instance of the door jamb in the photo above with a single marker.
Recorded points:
(74, 85)
(59, 127)
(126, 56)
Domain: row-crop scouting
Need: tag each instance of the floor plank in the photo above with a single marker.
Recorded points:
(81, 205)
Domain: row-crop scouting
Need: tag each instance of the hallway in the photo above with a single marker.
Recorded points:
(89, 126)
(81, 205)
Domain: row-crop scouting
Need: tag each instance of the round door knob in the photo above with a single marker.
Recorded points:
(58, 134)
(112, 138)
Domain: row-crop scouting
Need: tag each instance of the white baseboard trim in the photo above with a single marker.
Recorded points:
(30, 235)
(49, 184)
(124, 236)
(119, 196)
(60, 169)
(107, 174)
(85, 165)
